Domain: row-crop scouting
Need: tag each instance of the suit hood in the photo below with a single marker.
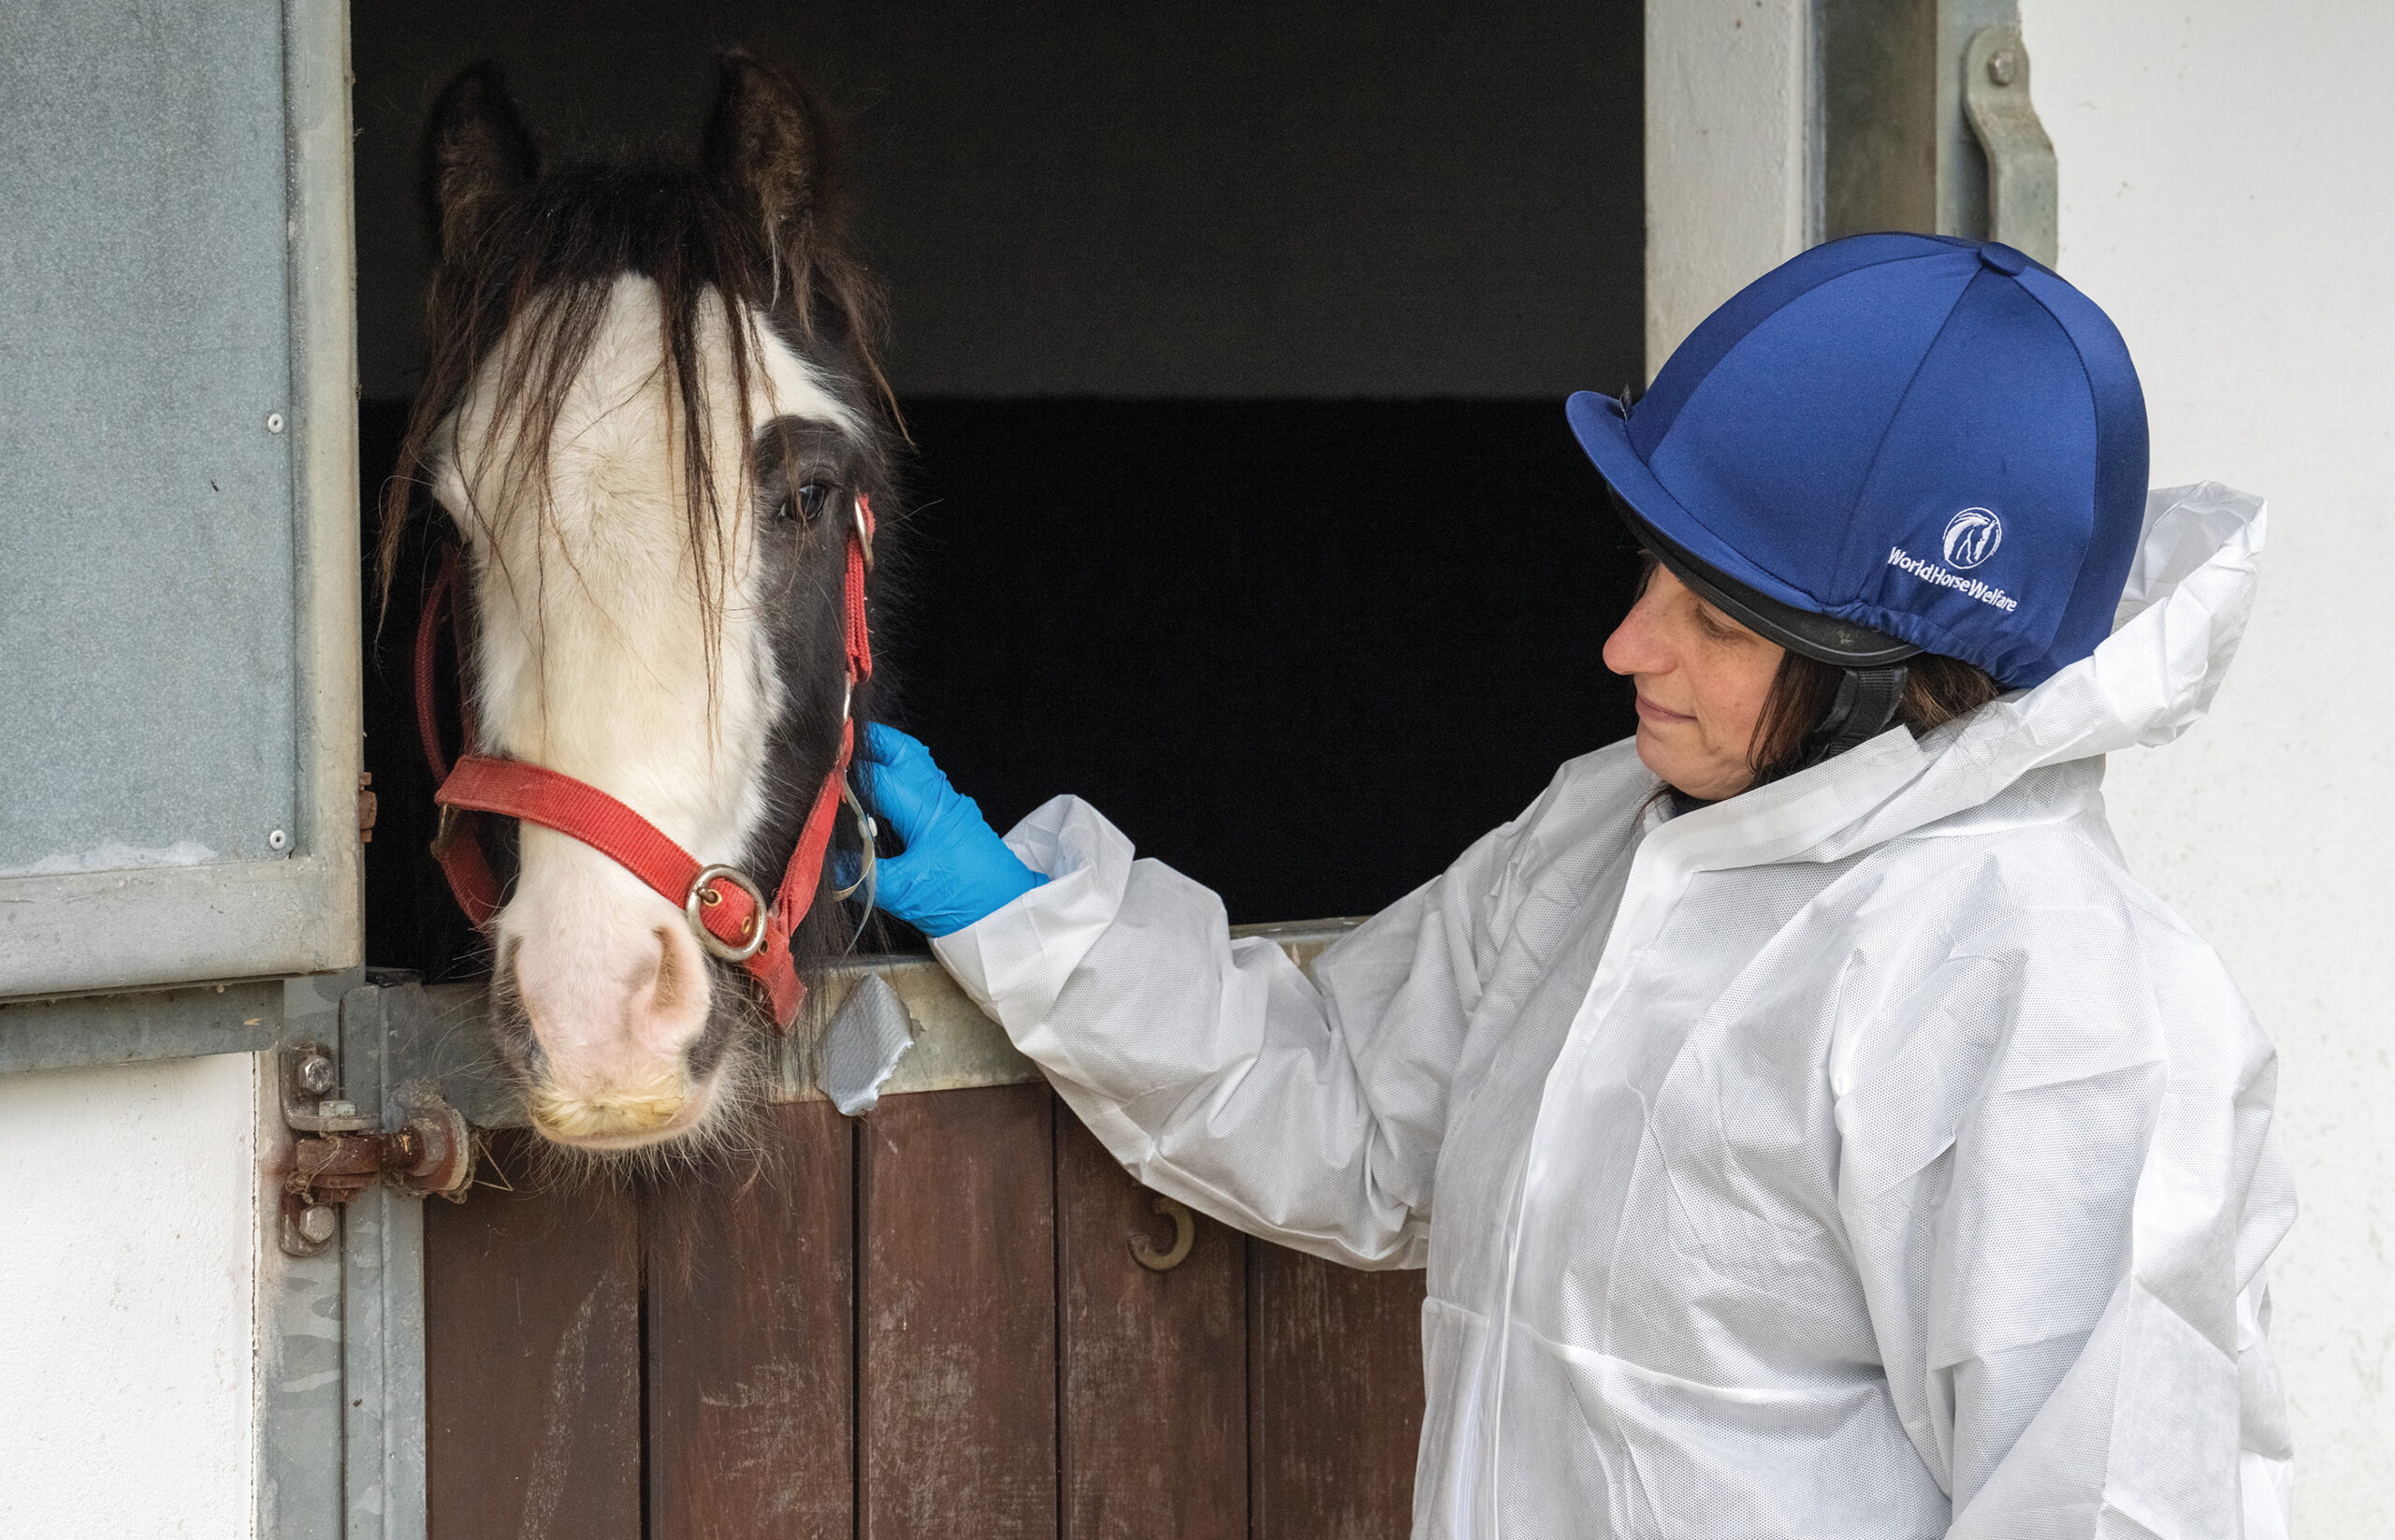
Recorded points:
(2190, 589)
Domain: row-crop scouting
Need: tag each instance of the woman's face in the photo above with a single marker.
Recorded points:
(1702, 681)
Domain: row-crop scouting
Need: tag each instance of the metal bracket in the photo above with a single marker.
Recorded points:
(341, 1152)
(312, 1101)
(2022, 190)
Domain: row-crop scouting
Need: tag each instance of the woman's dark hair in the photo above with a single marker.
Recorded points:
(1938, 689)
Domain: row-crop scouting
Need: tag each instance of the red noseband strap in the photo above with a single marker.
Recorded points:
(722, 906)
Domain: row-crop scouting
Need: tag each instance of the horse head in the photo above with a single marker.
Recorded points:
(654, 420)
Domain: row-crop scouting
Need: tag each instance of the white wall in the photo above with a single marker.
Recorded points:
(126, 1278)
(2227, 197)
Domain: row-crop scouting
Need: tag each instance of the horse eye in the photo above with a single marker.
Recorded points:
(811, 500)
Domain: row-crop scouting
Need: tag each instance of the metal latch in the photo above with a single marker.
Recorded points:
(2022, 187)
(341, 1152)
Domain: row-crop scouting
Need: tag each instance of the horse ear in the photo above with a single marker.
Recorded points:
(476, 152)
(764, 147)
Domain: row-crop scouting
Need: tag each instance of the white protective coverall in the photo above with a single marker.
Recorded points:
(1865, 1155)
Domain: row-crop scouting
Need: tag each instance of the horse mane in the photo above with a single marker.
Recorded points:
(759, 220)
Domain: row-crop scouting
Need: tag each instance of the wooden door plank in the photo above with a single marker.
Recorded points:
(533, 1360)
(956, 1328)
(1154, 1369)
(1335, 1398)
(751, 1279)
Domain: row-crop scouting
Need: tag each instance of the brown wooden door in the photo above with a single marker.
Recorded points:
(927, 1322)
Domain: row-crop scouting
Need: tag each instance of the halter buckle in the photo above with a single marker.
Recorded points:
(703, 894)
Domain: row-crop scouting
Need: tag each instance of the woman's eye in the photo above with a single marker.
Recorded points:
(806, 505)
(1720, 628)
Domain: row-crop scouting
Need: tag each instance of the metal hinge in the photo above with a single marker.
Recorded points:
(341, 1152)
(2022, 187)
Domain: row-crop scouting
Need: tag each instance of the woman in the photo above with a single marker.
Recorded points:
(1810, 1126)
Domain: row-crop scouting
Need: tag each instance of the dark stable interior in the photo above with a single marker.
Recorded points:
(1284, 559)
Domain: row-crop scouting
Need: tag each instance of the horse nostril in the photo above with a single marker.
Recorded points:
(666, 984)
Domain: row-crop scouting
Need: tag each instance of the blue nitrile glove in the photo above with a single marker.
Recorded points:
(955, 869)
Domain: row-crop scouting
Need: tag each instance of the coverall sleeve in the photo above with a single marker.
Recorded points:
(1216, 1070)
(2070, 1295)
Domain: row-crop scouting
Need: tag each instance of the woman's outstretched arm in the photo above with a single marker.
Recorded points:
(1216, 1070)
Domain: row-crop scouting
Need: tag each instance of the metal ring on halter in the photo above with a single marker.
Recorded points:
(703, 891)
(866, 830)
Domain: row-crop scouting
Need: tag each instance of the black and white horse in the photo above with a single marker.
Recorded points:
(652, 417)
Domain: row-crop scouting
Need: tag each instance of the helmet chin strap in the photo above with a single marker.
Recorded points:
(1865, 705)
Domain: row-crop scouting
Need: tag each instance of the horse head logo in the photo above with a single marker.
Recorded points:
(1971, 537)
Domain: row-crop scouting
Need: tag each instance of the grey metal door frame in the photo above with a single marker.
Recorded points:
(1924, 123)
(294, 907)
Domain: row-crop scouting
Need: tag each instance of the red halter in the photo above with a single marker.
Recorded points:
(726, 911)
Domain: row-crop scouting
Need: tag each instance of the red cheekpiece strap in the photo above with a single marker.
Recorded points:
(442, 594)
(471, 879)
(454, 846)
(853, 610)
(799, 882)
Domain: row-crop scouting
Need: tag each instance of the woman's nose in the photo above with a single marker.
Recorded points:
(1637, 645)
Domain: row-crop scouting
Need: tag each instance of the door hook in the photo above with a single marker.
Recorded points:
(1184, 1235)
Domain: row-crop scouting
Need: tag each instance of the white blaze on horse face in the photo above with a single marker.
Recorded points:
(591, 662)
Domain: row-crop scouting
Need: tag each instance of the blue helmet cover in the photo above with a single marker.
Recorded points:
(1938, 439)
